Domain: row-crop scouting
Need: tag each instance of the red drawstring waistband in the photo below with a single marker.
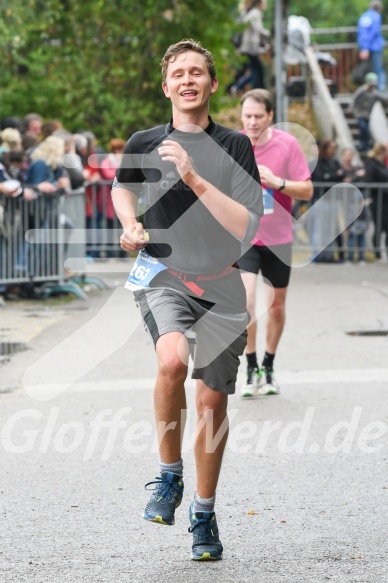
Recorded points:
(189, 280)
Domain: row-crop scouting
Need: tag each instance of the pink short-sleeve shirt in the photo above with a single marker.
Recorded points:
(284, 157)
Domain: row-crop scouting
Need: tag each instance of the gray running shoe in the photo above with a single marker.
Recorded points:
(206, 544)
(166, 497)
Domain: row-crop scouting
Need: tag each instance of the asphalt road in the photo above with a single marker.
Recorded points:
(303, 495)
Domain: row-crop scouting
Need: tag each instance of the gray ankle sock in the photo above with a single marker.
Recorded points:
(176, 467)
(203, 504)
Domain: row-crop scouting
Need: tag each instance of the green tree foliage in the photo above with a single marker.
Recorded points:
(96, 64)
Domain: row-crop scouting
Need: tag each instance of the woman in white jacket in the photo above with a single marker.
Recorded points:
(254, 36)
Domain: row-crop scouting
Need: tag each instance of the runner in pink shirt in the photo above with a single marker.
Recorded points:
(285, 176)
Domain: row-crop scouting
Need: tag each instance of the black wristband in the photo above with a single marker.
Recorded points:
(283, 184)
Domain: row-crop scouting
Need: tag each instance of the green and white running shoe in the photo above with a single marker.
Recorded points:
(268, 384)
(250, 388)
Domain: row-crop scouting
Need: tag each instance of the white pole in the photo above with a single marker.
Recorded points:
(280, 10)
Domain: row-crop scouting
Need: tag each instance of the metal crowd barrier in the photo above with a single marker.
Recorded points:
(327, 226)
(103, 227)
(34, 239)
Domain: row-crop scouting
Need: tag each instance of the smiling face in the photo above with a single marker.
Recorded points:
(188, 83)
(255, 118)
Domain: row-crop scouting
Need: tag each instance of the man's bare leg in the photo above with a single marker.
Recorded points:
(276, 315)
(211, 418)
(170, 397)
(249, 388)
(250, 283)
(170, 416)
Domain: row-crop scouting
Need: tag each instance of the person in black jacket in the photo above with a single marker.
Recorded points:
(324, 218)
(377, 171)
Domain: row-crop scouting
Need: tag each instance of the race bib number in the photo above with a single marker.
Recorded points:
(268, 201)
(143, 271)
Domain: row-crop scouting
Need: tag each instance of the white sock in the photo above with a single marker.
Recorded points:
(175, 468)
(203, 504)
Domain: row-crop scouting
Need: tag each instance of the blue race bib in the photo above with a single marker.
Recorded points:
(143, 271)
(268, 201)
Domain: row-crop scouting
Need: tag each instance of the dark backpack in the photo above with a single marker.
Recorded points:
(357, 76)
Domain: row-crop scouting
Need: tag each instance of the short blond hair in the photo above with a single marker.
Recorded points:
(51, 151)
(11, 138)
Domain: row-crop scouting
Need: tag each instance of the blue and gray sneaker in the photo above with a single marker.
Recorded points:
(166, 496)
(206, 545)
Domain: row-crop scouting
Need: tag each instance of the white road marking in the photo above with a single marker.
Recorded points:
(307, 377)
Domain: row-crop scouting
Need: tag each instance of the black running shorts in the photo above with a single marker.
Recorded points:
(273, 263)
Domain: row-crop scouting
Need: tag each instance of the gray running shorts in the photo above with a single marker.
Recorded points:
(216, 340)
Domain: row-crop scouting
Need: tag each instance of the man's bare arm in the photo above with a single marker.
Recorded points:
(125, 203)
(297, 189)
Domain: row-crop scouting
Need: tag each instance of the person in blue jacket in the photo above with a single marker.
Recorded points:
(370, 40)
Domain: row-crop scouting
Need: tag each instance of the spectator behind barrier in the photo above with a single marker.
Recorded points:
(12, 205)
(8, 186)
(108, 168)
(351, 172)
(10, 140)
(17, 165)
(72, 162)
(50, 127)
(323, 219)
(29, 143)
(376, 171)
(33, 124)
(93, 213)
(81, 147)
(356, 241)
(11, 176)
(45, 172)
